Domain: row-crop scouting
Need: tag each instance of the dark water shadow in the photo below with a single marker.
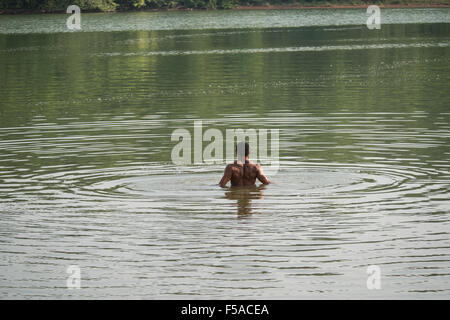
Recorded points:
(244, 197)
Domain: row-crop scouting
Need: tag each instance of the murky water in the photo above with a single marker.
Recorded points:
(86, 176)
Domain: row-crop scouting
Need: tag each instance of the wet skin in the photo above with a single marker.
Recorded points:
(243, 174)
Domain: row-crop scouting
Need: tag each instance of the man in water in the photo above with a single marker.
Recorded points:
(243, 173)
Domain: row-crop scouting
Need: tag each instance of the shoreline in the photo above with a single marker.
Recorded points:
(243, 8)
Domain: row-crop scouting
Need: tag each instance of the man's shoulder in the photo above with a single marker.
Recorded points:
(238, 164)
(233, 165)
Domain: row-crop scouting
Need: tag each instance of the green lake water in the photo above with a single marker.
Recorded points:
(87, 178)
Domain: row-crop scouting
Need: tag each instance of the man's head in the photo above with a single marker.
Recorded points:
(242, 149)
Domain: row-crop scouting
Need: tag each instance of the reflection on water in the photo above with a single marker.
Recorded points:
(244, 196)
(86, 176)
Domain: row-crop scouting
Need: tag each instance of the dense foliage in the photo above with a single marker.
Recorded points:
(109, 5)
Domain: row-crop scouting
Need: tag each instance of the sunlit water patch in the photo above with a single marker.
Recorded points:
(195, 20)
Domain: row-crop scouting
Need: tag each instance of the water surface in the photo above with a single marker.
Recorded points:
(86, 176)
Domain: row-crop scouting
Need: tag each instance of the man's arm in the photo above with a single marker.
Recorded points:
(226, 176)
(260, 175)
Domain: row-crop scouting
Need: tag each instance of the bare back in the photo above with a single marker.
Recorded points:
(243, 174)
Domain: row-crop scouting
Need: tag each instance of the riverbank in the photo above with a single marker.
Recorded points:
(267, 6)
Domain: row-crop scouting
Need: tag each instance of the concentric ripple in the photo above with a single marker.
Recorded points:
(156, 223)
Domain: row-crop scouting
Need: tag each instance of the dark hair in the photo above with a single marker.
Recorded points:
(247, 148)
